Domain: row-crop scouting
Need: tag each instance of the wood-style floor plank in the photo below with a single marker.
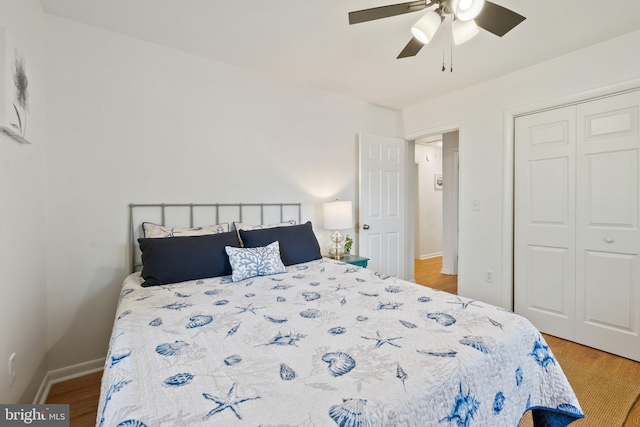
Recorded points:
(427, 273)
(82, 393)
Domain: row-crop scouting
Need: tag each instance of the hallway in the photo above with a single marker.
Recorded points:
(427, 273)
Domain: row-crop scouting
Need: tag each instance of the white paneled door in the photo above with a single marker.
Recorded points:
(608, 240)
(545, 220)
(382, 201)
(577, 243)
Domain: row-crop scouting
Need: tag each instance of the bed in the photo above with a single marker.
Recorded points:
(316, 342)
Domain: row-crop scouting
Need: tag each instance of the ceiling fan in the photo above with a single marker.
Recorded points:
(467, 16)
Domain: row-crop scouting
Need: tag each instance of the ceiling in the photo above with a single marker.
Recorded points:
(311, 43)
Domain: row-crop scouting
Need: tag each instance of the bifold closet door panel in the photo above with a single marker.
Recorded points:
(607, 222)
(544, 264)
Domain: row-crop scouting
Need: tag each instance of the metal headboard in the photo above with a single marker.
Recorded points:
(264, 213)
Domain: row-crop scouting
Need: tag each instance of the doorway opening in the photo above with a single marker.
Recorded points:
(436, 211)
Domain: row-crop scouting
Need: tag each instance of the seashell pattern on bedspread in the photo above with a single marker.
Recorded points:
(324, 344)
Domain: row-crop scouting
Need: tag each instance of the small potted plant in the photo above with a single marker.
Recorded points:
(348, 242)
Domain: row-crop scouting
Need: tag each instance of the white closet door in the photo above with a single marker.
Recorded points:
(608, 240)
(544, 264)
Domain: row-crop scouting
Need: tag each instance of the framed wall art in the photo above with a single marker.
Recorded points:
(14, 94)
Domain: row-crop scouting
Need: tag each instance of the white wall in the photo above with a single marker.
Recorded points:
(480, 113)
(429, 202)
(129, 121)
(22, 213)
(450, 141)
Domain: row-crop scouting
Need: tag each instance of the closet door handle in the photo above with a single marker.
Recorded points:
(365, 227)
(608, 239)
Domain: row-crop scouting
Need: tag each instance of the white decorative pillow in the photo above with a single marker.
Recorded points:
(154, 230)
(251, 262)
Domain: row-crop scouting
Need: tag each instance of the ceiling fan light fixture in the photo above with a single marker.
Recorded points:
(426, 27)
(466, 10)
(463, 31)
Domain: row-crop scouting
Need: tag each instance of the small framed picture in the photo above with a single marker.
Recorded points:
(437, 182)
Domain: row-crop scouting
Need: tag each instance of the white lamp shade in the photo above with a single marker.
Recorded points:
(426, 27)
(338, 215)
(463, 31)
(467, 10)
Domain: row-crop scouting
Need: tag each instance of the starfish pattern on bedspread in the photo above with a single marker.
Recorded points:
(231, 401)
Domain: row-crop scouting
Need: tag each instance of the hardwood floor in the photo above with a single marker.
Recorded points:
(82, 393)
(609, 363)
(427, 273)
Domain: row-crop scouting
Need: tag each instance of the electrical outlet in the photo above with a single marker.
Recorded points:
(12, 369)
(488, 276)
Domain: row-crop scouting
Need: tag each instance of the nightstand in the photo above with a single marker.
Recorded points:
(354, 260)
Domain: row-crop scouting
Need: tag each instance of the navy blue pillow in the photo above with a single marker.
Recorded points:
(298, 243)
(178, 259)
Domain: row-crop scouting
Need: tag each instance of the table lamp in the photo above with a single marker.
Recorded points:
(338, 215)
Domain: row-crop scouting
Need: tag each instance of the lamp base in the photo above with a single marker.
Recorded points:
(337, 249)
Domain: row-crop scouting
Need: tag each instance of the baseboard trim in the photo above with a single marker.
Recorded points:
(64, 374)
(427, 256)
(447, 271)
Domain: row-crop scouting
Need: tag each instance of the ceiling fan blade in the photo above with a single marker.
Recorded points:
(411, 49)
(497, 19)
(385, 11)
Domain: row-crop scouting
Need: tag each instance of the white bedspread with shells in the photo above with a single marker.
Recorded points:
(325, 343)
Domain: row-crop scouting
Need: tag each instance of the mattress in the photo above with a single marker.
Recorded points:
(324, 344)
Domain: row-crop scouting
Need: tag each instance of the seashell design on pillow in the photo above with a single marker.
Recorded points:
(154, 231)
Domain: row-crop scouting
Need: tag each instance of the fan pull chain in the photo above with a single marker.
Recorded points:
(451, 46)
(443, 43)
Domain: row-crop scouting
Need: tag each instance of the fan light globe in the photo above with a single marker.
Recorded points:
(463, 31)
(426, 27)
(467, 10)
